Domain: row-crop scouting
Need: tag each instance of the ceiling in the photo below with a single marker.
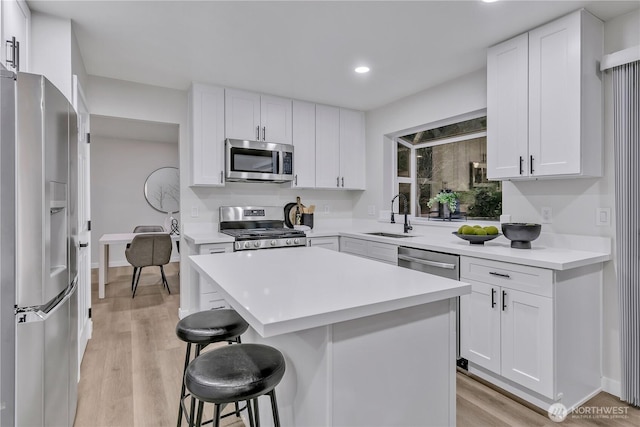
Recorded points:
(303, 49)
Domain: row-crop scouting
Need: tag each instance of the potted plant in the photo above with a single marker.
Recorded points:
(448, 199)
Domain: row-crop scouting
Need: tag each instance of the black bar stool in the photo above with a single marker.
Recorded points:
(204, 328)
(233, 374)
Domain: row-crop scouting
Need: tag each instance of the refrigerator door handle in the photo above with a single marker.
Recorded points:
(42, 313)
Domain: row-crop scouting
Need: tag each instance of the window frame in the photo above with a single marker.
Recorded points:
(412, 179)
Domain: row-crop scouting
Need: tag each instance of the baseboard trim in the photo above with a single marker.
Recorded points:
(612, 386)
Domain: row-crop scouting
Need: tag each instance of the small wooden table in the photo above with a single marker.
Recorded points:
(103, 262)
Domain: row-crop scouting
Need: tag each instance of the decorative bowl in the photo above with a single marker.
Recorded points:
(476, 240)
(521, 234)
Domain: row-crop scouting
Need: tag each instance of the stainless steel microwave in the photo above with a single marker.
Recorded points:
(258, 161)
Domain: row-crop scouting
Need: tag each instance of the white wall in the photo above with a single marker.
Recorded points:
(573, 202)
(55, 52)
(119, 169)
(463, 95)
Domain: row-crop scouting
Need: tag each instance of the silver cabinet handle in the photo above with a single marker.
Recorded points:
(338, 181)
(257, 133)
(445, 265)
(15, 53)
(504, 300)
(343, 181)
(494, 273)
(531, 164)
(295, 179)
(493, 297)
(221, 177)
(264, 133)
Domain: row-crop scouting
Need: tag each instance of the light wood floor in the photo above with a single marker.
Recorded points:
(132, 368)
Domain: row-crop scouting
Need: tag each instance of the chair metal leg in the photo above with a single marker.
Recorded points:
(216, 415)
(200, 411)
(164, 280)
(257, 411)
(133, 277)
(135, 286)
(274, 408)
(250, 413)
(184, 387)
(193, 399)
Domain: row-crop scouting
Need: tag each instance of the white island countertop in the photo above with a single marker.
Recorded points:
(287, 290)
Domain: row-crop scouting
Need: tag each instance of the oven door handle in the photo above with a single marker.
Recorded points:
(436, 264)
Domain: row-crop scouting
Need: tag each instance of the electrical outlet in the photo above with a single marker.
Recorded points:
(326, 209)
(603, 216)
(547, 215)
(371, 210)
(194, 212)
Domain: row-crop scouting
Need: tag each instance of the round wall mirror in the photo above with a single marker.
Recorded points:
(162, 189)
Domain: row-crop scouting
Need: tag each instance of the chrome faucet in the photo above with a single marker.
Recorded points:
(407, 226)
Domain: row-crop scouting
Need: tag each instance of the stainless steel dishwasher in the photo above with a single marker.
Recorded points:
(439, 264)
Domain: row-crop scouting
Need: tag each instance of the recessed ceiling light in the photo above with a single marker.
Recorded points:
(489, 1)
(362, 70)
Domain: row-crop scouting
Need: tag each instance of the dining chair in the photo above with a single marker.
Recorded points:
(148, 228)
(146, 250)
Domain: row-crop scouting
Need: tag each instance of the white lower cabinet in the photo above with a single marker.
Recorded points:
(210, 297)
(384, 252)
(324, 242)
(529, 330)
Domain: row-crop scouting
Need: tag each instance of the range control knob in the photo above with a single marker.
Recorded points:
(256, 243)
(296, 241)
(247, 244)
(273, 243)
(288, 242)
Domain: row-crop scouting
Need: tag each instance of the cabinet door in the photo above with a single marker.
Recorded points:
(304, 143)
(15, 17)
(353, 246)
(508, 109)
(206, 111)
(330, 243)
(242, 115)
(327, 146)
(352, 150)
(275, 118)
(480, 325)
(527, 340)
(554, 97)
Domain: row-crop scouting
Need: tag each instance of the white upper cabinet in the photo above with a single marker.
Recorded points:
(257, 117)
(352, 150)
(206, 135)
(15, 18)
(340, 148)
(327, 146)
(561, 77)
(275, 119)
(508, 108)
(242, 115)
(304, 143)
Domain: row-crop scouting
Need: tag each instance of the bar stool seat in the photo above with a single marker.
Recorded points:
(235, 373)
(201, 329)
(206, 327)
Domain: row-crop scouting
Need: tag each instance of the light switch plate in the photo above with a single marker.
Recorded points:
(547, 215)
(371, 210)
(603, 216)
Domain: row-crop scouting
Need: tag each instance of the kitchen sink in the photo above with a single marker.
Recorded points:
(383, 234)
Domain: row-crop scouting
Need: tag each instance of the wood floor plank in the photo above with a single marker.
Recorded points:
(131, 373)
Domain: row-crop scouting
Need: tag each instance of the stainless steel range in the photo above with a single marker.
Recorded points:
(256, 227)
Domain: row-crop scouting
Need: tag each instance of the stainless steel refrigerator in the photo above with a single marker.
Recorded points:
(38, 253)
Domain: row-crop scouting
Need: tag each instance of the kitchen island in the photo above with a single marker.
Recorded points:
(366, 343)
